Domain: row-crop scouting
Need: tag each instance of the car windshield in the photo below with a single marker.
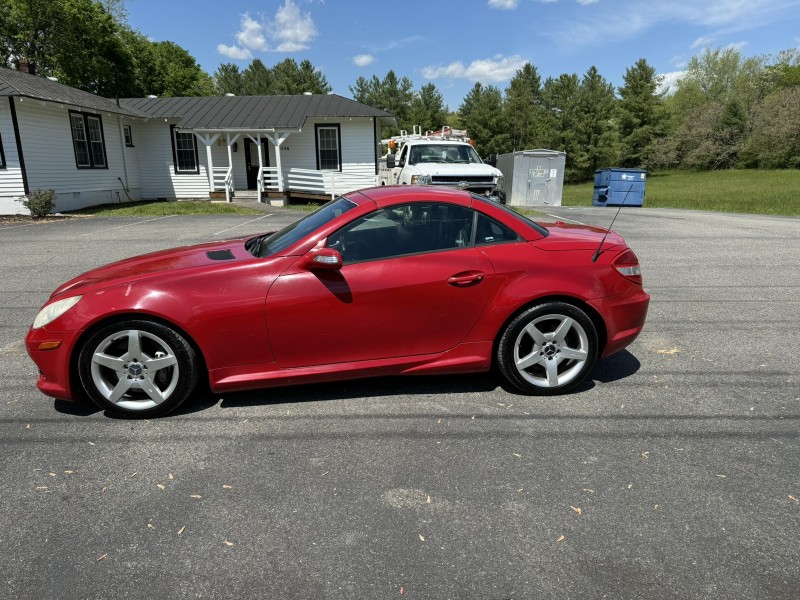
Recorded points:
(273, 243)
(443, 153)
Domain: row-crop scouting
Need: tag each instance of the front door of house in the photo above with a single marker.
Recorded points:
(251, 161)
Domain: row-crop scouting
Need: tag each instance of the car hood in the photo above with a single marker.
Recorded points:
(187, 257)
(565, 236)
(455, 169)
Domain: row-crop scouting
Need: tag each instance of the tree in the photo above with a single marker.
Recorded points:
(640, 113)
(525, 115)
(390, 94)
(428, 109)
(596, 129)
(256, 80)
(311, 79)
(775, 139)
(77, 41)
(288, 78)
(86, 44)
(560, 97)
(229, 80)
(717, 96)
(482, 114)
(178, 73)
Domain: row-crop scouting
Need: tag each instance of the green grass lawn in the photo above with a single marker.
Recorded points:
(161, 209)
(746, 191)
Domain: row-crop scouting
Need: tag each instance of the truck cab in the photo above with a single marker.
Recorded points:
(439, 158)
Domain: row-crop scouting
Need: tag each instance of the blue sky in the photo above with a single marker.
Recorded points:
(458, 43)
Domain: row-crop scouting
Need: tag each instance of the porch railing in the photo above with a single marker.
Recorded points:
(269, 179)
(329, 183)
(223, 179)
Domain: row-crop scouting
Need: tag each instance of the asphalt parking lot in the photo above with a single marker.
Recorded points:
(674, 473)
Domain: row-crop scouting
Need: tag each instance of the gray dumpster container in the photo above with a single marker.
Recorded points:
(614, 187)
(533, 177)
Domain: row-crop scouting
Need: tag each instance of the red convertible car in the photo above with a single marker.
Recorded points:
(385, 281)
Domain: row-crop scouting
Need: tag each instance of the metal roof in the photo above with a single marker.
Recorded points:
(252, 112)
(16, 83)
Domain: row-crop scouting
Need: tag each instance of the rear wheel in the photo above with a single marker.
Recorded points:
(137, 368)
(548, 349)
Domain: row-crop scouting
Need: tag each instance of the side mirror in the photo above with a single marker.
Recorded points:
(323, 258)
(390, 161)
(492, 160)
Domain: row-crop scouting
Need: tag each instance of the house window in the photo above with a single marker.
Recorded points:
(329, 150)
(126, 130)
(88, 141)
(184, 151)
(2, 155)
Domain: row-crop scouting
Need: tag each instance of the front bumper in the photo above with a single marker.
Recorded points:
(54, 365)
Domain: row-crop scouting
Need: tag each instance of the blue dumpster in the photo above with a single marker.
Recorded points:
(614, 187)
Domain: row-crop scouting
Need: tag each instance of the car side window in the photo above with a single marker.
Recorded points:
(489, 231)
(404, 229)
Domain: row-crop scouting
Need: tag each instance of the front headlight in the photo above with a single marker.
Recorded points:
(420, 179)
(499, 181)
(52, 311)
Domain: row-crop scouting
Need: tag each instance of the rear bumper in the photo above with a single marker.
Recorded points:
(54, 365)
(624, 317)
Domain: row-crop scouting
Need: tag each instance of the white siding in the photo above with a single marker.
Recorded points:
(148, 168)
(11, 186)
(157, 170)
(357, 143)
(50, 157)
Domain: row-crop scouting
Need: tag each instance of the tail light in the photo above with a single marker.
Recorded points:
(628, 266)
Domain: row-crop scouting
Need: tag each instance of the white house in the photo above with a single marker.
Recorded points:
(93, 150)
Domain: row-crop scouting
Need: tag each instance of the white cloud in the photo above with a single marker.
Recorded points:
(252, 34)
(587, 2)
(289, 31)
(489, 70)
(669, 80)
(234, 52)
(702, 42)
(737, 45)
(632, 18)
(363, 60)
(293, 29)
(504, 4)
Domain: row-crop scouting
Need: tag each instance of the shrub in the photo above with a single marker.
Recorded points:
(40, 202)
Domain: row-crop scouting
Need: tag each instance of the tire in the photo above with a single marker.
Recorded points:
(548, 349)
(137, 368)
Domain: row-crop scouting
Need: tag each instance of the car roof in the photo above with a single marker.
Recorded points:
(387, 195)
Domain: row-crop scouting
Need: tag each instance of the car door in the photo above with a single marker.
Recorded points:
(412, 283)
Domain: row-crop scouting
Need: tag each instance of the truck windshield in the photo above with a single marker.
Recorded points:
(443, 153)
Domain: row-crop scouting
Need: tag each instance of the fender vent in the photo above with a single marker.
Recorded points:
(220, 255)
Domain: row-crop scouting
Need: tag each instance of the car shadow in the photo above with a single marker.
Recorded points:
(618, 366)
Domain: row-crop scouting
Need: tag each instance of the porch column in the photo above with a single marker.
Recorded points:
(208, 140)
(230, 142)
(277, 140)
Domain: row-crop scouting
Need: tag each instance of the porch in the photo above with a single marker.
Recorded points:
(292, 183)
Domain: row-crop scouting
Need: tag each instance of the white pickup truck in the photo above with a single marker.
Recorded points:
(439, 158)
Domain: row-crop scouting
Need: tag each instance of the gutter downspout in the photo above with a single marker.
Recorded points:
(18, 139)
(122, 149)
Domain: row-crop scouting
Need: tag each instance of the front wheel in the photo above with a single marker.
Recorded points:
(137, 368)
(548, 349)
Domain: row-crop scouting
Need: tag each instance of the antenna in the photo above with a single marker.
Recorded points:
(605, 235)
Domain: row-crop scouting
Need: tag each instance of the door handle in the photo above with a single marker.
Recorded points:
(466, 279)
